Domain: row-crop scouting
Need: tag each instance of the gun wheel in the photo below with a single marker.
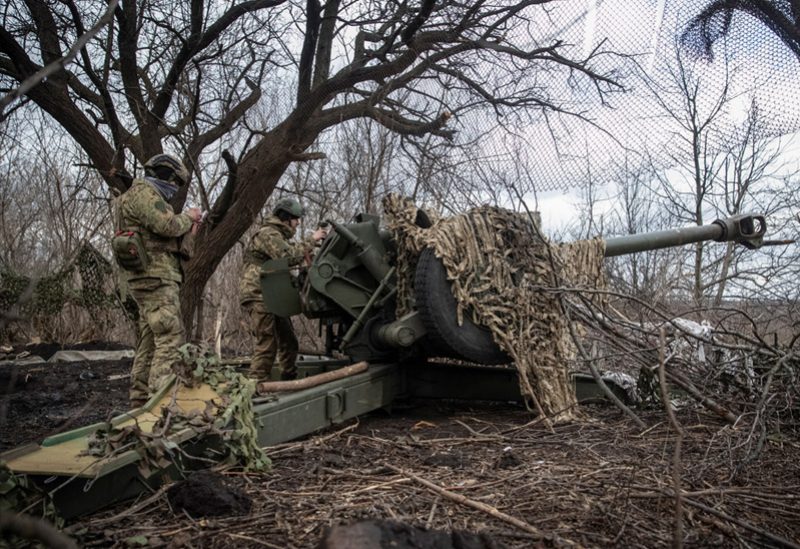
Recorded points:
(437, 308)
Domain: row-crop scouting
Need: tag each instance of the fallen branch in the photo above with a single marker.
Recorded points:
(598, 379)
(677, 533)
(312, 381)
(488, 509)
(780, 541)
(657, 492)
(709, 403)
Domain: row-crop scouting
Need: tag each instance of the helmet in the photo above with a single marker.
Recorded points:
(171, 162)
(290, 206)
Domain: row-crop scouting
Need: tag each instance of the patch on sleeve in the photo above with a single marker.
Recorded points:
(161, 206)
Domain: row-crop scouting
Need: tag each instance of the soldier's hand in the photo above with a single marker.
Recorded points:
(195, 214)
(319, 234)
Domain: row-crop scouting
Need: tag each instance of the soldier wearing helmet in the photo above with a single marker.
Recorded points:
(153, 275)
(274, 341)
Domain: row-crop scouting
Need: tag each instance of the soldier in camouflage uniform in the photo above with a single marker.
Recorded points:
(144, 208)
(273, 336)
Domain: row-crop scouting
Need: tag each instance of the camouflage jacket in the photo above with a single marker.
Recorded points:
(272, 241)
(143, 207)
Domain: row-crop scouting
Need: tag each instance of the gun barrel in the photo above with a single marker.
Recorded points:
(744, 229)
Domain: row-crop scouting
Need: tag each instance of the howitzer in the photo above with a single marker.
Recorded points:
(351, 287)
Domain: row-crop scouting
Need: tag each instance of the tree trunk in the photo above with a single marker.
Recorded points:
(258, 174)
(723, 275)
(697, 290)
(198, 323)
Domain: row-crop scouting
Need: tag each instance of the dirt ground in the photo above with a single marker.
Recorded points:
(447, 470)
(41, 399)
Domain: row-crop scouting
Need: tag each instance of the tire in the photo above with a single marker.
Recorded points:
(438, 311)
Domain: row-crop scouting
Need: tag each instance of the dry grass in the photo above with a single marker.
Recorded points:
(492, 469)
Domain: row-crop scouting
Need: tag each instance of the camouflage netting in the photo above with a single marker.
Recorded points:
(503, 272)
(231, 420)
(86, 281)
(19, 495)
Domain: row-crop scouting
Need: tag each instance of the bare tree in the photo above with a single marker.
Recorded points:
(751, 162)
(189, 73)
(651, 275)
(693, 112)
(47, 209)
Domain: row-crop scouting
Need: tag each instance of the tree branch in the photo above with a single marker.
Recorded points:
(227, 122)
(57, 64)
(390, 120)
(127, 43)
(309, 47)
(198, 43)
(325, 41)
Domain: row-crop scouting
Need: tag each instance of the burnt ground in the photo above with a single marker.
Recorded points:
(439, 473)
(40, 399)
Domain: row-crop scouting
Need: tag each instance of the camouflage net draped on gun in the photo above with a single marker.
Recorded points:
(505, 274)
(231, 419)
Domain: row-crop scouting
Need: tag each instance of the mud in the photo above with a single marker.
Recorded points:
(208, 494)
(38, 400)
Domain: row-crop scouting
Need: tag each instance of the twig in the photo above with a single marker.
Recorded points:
(132, 509)
(536, 421)
(481, 436)
(744, 524)
(254, 540)
(488, 509)
(376, 486)
(677, 533)
(433, 512)
(660, 492)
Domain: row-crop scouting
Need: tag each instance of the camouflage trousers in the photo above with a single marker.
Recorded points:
(160, 335)
(274, 342)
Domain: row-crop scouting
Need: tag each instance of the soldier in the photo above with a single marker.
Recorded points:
(273, 336)
(146, 246)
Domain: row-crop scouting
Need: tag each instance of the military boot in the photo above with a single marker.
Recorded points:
(258, 377)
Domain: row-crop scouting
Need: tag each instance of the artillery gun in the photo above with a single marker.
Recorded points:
(351, 287)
